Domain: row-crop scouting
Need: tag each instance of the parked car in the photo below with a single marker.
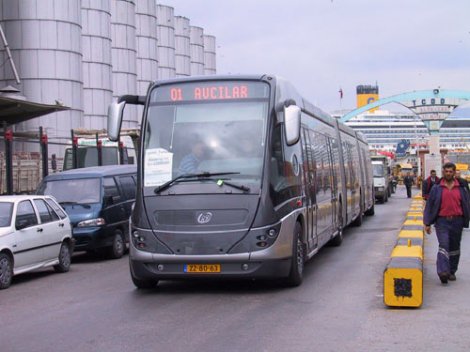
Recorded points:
(98, 201)
(35, 232)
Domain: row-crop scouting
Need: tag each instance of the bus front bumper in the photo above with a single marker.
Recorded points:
(277, 268)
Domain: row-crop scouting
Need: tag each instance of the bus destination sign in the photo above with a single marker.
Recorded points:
(218, 90)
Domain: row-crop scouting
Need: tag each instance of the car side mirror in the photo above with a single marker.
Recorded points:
(292, 124)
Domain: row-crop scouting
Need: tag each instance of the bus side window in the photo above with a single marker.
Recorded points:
(278, 182)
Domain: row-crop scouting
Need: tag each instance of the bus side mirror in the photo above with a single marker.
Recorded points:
(115, 111)
(292, 124)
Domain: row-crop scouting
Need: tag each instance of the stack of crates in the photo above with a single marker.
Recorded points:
(26, 172)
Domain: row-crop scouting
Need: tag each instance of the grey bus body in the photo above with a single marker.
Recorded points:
(278, 181)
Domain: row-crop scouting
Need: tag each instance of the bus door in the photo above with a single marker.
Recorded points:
(334, 162)
(350, 180)
(309, 186)
(323, 186)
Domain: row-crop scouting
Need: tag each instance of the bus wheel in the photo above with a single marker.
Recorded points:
(358, 221)
(370, 211)
(338, 239)
(298, 259)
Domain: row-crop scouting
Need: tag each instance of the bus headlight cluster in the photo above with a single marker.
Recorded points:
(268, 238)
(139, 240)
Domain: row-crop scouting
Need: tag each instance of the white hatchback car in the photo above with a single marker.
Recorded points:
(35, 232)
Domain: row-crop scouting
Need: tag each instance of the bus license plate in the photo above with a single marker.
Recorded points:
(202, 268)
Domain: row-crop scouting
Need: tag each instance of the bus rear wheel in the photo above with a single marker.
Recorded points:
(298, 259)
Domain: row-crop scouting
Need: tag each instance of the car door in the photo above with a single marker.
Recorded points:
(28, 244)
(113, 211)
(64, 222)
(52, 229)
(128, 190)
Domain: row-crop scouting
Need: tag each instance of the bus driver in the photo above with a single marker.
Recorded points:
(189, 164)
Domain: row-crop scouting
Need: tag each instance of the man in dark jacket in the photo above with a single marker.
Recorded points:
(428, 183)
(448, 207)
(408, 181)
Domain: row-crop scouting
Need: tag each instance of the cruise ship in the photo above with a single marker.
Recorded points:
(385, 129)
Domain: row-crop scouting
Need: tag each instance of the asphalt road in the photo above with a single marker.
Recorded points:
(339, 307)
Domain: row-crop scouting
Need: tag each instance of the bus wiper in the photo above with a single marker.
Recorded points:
(243, 188)
(186, 176)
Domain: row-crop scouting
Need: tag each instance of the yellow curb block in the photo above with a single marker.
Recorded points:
(415, 217)
(414, 213)
(403, 283)
(408, 251)
(403, 276)
(416, 222)
(411, 234)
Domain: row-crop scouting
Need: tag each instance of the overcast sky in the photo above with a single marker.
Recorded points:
(324, 45)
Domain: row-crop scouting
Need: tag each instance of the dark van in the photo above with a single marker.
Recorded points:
(98, 201)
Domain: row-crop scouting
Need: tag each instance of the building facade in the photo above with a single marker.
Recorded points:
(84, 53)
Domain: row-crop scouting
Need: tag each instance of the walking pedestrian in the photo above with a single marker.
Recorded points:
(428, 183)
(448, 209)
(408, 181)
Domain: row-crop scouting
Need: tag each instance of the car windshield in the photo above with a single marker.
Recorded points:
(205, 137)
(80, 191)
(378, 170)
(6, 209)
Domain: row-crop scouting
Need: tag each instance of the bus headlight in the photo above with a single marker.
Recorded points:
(145, 240)
(91, 222)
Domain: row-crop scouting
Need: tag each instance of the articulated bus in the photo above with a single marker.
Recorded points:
(239, 177)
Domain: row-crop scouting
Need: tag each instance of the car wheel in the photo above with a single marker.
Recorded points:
(6, 271)
(298, 259)
(65, 258)
(116, 251)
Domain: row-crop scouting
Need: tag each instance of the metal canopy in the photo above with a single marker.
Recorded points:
(13, 111)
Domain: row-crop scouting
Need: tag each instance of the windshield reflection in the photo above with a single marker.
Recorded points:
(205, 137)
(81, 191)
(378, 170)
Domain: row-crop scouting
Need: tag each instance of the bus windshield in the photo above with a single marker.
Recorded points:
(378, 170)
(212, 134)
